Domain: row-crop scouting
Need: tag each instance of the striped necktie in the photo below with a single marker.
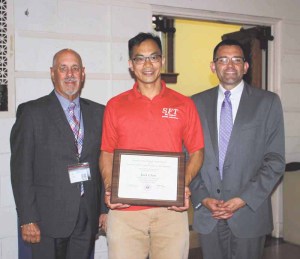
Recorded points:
(78, 134)
(75, 126)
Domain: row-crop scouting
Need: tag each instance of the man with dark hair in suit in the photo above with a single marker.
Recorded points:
(243, 160)
(54, 165)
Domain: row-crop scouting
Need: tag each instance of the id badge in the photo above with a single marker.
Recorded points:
(79, 172)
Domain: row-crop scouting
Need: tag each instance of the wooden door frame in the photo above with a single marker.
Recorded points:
(274, 75)
(274, 66)
(255, 42)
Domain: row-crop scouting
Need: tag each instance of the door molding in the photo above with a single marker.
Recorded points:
(274, 66)
(274, 75)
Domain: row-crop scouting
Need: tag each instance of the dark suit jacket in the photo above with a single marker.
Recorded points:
(253, 165)
(42, 146)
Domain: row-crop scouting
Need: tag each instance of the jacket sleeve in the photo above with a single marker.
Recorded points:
(198, 190)
(22, 161)
(273, 164)
(103, 209)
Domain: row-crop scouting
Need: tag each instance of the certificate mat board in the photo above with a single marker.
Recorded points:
(148, 178)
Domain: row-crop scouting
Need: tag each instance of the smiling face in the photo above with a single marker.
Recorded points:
(147, 73)
(67, 74)
(231, 74)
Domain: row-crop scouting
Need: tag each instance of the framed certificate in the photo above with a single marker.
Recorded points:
(148, 178)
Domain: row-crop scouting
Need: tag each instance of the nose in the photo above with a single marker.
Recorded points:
(147, 61)
(70, 71)
(230, 62)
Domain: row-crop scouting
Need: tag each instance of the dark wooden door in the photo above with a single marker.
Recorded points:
(255, 43)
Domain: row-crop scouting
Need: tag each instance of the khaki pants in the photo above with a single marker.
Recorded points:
(157, 232)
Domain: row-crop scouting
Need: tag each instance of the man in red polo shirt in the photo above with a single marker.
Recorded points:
(155, 118)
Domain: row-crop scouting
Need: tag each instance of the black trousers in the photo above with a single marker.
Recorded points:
(78, 245)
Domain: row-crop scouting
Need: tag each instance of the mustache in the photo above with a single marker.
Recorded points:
(70, 79)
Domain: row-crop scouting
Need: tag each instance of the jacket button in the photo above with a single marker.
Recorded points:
(218, 191)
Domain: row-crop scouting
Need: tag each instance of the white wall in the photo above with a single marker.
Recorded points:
(99, 31)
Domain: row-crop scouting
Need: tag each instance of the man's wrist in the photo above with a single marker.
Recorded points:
(108, 189)
(31, 223)
(107, 184)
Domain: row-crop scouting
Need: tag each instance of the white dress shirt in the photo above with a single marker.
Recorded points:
(235, 98)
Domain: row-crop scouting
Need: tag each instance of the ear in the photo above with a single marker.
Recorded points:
(213, 67)
(52, 74)
(130, 65)
(246, 67)
(83, 74)
(163, 60)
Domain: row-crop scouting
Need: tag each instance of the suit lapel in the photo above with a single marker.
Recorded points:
(212, 120)
(240, 120)
(58, 118)
(87, 117)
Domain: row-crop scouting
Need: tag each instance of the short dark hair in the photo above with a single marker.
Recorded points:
(142, 36)
(228, 42)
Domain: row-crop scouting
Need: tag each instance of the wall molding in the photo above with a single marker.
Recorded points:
(90, 76)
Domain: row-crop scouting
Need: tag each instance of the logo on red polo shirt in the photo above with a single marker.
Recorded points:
(170, 113)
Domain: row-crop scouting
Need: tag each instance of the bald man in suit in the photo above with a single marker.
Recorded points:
(54, 165)
(231, 194)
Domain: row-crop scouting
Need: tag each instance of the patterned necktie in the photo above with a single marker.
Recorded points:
(78, 134)
(75, 126)
(225, 129)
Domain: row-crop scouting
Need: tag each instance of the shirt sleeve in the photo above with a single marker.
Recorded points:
(109, 131)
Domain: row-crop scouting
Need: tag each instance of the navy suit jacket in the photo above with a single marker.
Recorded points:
(42, 147)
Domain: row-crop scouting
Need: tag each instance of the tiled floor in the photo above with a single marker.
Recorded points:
(279, 249)
(274, 249)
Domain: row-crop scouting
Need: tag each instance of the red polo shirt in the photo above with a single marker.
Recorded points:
(165, 123)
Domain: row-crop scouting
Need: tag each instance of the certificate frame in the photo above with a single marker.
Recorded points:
(180, 176)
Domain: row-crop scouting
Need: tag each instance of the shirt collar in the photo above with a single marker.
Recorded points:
(65, 102)
(235, 91)
(137, 93)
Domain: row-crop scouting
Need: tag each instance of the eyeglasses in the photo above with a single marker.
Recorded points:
(225, 60)
(139, 60)
(74, 69)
